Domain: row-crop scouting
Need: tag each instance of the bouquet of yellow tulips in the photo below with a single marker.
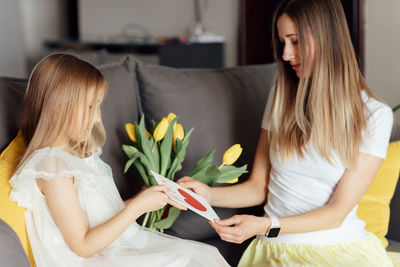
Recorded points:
(163, 152)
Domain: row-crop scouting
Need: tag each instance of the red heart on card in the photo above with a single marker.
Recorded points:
(192, 201)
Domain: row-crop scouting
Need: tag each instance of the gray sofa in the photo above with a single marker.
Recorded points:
(225, 106)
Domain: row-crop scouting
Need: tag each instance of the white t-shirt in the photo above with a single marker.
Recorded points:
(303, 184)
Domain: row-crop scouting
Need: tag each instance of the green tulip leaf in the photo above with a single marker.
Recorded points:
(152, 180)
(208, 175)
(130, 162)
(203, 163)
(166, 147)
(179, 155)
(174, 160)
(130, 151)
(155, 151)
(178, 168)
(166, 223)
(143, 159)
(144, 143)
(231, 172)
(142, 171)
(153, 125)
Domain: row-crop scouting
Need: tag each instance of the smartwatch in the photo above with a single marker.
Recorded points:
(274, 229)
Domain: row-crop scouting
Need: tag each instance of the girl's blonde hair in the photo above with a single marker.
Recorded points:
(326, 108)
(57, 88)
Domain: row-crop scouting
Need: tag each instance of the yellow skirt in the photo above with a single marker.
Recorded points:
(366, 252)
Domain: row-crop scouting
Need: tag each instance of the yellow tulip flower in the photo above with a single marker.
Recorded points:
(233, 181)
(171, 116)
(161, 129)
(179, 133)
(232, 154)
(130, 130)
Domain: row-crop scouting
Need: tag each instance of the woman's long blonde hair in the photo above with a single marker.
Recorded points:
(326, 108)
(57, 88)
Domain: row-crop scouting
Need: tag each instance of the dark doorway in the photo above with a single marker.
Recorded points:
(255, 26)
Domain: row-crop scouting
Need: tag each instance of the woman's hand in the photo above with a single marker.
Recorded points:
(154, 198)
(241, 227)
(196, 186)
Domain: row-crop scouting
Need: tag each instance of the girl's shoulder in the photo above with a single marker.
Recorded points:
(46, 163)
(52, 160)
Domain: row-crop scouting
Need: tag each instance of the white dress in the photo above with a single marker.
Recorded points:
(99, 200)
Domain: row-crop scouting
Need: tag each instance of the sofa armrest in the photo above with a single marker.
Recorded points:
(12, 253)
(394, 246)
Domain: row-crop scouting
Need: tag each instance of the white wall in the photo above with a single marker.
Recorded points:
(41, 20)
(12, 56)
(382, 49)
(100, 19)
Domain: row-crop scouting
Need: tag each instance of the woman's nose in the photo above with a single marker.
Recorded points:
(288, 53)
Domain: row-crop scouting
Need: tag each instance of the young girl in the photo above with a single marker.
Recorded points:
(324, 135)
(75, 215)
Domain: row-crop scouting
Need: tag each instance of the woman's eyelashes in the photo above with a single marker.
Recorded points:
(293, 42)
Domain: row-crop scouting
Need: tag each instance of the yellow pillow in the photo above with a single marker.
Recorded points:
(373, 207)
(9, 211)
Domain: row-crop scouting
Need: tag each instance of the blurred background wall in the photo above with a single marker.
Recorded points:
(382, 49)
(26, 23)
(12, 50)
(100, 19)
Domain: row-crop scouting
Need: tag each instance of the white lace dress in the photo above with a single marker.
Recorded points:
(99, 200)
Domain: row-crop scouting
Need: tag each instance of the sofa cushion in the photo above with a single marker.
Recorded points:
(118, 108)
(225, 106)
(374, 205)
(11, 98)
(12, 214)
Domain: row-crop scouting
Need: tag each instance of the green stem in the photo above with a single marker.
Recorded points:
(146, 217)
(152, 219)
(396, 108)
(222, 165)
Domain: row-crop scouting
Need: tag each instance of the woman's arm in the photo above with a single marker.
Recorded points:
(350, 189)
(63, 203)
(254, 189)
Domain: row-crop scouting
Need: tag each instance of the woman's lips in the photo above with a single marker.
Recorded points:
(296, 66)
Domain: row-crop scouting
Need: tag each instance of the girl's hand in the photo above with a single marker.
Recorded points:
(241, 227)
(154, 198)
(196, 186)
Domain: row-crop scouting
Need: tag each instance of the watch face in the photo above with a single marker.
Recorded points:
(273, 232)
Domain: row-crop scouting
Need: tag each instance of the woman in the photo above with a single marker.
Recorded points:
(324, 135)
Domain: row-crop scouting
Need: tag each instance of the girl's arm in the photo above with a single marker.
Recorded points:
(350, 189)
(63, 203)
(254, 189)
